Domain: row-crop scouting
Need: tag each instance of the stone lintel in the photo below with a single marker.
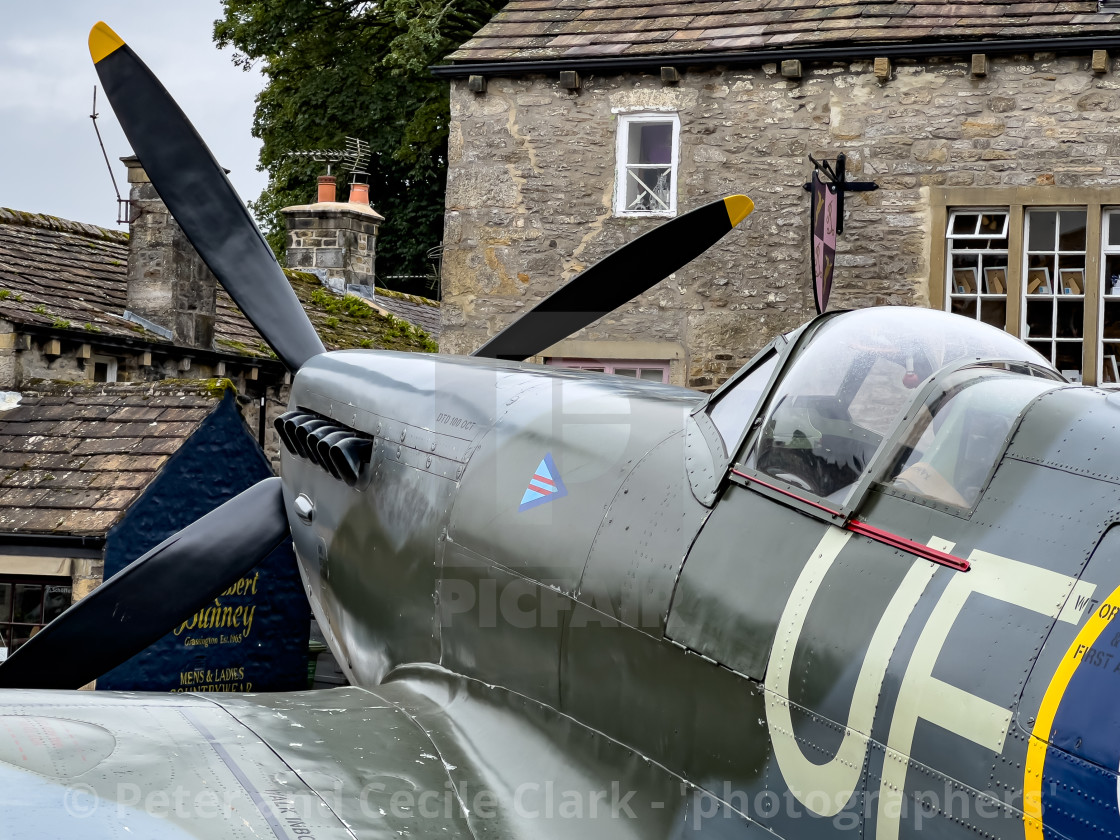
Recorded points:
(325, 223)
(333, 210)
(136, 173)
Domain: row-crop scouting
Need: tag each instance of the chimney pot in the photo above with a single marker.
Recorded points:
(328, 189)
(359, 194)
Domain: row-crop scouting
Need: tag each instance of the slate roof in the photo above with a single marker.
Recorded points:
(52, 270)
(72, 459)
(421, 311)
(535, 30)
(71, 276)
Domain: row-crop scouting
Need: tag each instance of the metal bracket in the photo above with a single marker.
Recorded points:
(838, 183)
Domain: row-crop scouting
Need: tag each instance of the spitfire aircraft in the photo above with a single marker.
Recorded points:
(867, 588)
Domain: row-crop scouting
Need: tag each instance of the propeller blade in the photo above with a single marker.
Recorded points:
(202, 200)
(617, 278)
(150, 596)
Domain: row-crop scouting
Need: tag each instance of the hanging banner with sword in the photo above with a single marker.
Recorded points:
(826, 221)
(823, 253)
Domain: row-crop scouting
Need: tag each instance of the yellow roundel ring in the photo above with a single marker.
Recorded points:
(738, 208)
(1040, 734)
(103, 41)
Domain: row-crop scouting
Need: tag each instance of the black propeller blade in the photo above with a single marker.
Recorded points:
(147, 598)
(622, 276)
(202, 200)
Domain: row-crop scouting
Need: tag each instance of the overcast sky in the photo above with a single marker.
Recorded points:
(49, 158)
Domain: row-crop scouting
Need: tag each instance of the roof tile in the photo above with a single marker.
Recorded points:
(585, 28)
(72, 277)
(63, 471)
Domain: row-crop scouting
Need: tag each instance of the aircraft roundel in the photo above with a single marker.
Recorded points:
(1072, 779)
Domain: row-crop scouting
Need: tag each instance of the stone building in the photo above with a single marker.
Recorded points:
(80, 303)
(991, 129)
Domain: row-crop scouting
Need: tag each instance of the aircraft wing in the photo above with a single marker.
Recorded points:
(425, 755)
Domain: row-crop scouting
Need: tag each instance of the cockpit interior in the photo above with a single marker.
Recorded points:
(921, 400)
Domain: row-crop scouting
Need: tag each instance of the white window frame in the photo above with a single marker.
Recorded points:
(981, 297)
(110, 363)
(1109, 216)
(622, 165)
(1054, 296)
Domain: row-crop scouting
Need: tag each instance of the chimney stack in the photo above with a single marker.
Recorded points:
(335, 240)
(168, 283)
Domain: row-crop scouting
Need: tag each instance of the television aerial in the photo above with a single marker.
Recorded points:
(354, 158)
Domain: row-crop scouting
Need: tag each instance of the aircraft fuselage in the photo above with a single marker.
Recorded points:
(801, 674)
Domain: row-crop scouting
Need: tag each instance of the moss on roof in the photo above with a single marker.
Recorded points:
(419, 301)
(349, 322)
(42, 220)
(71, 277)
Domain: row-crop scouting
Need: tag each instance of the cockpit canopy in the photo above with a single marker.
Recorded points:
(850, 378)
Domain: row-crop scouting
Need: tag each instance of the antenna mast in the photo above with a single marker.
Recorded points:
(122, 204)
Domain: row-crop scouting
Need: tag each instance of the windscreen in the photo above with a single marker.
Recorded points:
(950, 450)
(850, 381)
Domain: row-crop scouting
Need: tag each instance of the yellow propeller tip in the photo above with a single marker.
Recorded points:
(102, 41)
(738, 208)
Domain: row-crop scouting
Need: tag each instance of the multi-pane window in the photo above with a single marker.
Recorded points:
(977, 276)
(646, 173)
(26, 604)
(1059, 251)
(1054, 286)
(1110, 299)
(649, 371)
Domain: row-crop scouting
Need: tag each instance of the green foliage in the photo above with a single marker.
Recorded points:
(60, 324)
(40, 310)
(339, 68)
(5, 294)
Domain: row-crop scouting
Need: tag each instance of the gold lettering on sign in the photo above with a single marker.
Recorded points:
(213, 679)
(219, 616)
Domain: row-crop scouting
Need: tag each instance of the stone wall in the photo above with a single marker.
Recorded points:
(24, 364)
(336, 241)
(532, 168)
(8, 356)
(168, 283)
